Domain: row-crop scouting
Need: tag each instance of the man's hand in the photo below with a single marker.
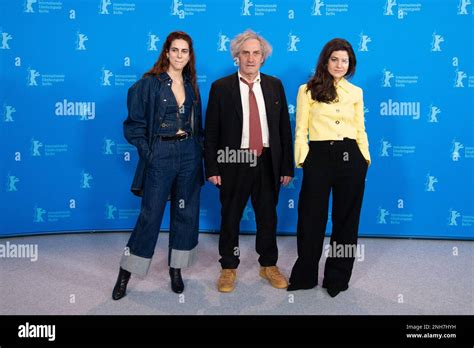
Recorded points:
(285, 180)
(215, 180)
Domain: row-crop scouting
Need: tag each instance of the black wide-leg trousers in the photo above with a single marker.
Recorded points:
(338, 167)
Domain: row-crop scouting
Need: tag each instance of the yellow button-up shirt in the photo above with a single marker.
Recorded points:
(334, 121)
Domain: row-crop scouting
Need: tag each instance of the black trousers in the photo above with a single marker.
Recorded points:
(340, 167)
(239, 182)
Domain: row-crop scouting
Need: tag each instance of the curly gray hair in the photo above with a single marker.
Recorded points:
(238, 41)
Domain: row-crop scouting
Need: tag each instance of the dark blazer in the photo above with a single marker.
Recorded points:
(224, 119)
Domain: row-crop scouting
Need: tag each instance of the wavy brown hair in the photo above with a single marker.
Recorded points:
(321, 84)
(163, 63)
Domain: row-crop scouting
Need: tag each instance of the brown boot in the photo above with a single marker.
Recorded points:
(226, 281)
(273, 275)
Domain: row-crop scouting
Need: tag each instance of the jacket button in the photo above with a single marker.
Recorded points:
(337, 122)
(164, 99)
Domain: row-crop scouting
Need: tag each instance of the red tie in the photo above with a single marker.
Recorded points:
(255, 129)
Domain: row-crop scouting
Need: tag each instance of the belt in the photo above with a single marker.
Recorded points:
(179, 137)
(331, 142)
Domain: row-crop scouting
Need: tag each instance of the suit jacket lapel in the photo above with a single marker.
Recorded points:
(268, 97)
(236, 98)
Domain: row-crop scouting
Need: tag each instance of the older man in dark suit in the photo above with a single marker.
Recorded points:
(248, 153)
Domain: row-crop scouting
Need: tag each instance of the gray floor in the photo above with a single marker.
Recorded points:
(75, 274)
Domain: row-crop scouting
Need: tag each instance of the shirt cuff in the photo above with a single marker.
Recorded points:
(366, 154)
(301, 151)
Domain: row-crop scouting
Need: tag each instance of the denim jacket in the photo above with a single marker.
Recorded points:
(147, 101)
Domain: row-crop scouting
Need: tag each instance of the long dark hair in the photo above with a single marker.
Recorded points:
(163, 63)
(321, 84)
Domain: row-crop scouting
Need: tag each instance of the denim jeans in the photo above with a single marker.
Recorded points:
(172, 170)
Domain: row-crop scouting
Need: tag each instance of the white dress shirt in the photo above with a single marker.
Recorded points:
(244, 95)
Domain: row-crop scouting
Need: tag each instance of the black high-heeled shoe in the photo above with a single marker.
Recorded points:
(120, 288)
(177, 284)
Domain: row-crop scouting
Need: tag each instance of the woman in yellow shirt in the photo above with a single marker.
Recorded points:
(331, 111)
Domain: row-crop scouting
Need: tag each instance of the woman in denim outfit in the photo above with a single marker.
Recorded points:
(164, 123)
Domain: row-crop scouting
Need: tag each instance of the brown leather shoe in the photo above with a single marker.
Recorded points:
(226, 281)
(273, 275)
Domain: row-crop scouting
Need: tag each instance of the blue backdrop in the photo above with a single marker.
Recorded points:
(66, 66)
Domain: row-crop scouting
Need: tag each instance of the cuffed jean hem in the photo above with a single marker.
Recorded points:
(135, 264)
(182, 258)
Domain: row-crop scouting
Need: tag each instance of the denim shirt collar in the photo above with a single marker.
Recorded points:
(165, 77)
